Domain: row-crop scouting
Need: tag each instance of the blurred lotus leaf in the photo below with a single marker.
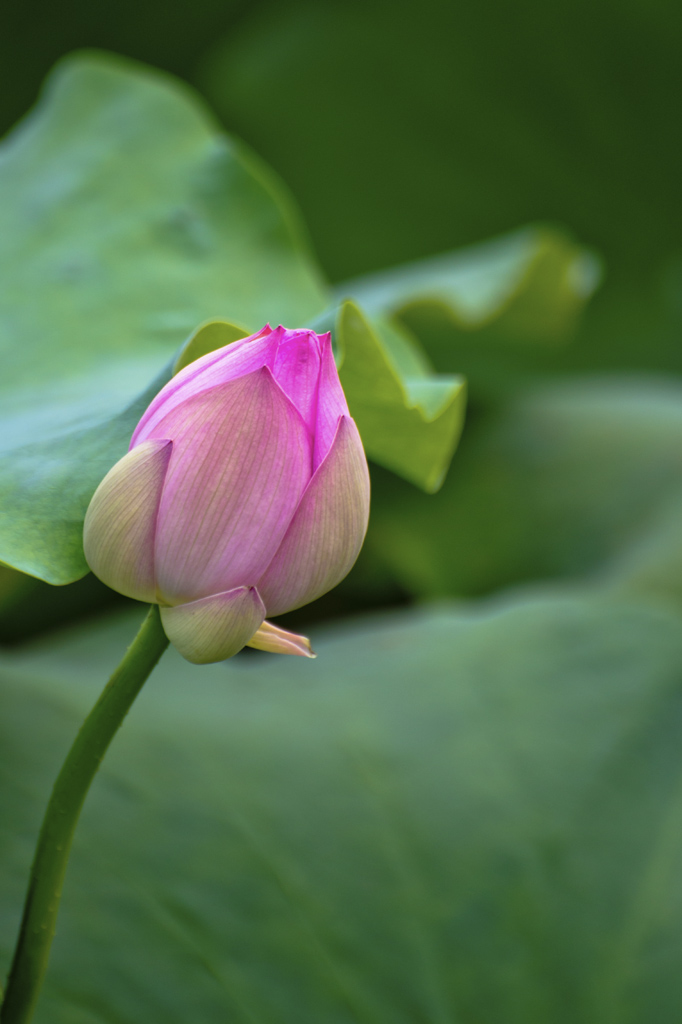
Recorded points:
(464, 814)
(449, 122)
(566, 480)
(528, 286)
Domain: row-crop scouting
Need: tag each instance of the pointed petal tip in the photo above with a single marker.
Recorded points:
(308, 652)
(160, 443)
(264, 332)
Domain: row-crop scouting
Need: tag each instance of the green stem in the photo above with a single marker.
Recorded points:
(59, 824)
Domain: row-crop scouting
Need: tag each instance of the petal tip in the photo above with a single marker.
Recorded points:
(160, 442)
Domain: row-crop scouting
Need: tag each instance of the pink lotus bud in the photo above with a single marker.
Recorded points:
(245, 493)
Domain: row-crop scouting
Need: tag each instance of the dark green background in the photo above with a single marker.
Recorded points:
(406, 128)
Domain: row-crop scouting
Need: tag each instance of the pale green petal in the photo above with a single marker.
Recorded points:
(120, 524)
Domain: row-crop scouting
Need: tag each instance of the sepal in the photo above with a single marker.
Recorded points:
(214, 628)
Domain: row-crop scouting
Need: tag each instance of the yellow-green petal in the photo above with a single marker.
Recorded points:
(120, 524)
(276, 640)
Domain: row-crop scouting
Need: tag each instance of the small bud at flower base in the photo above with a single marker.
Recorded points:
(245, 493)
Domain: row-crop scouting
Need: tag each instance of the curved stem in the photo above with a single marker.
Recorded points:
(59, 824)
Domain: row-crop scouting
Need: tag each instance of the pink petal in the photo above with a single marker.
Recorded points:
(269, 637)
(241, 461)
(296, 368)
(326, 534)
(219, 367)
(214, 628)
(331, 402)
(120, 524)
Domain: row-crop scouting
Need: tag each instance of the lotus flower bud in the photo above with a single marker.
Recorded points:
(245, 493)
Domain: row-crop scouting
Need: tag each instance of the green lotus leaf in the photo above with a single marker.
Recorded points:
(457, 814)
